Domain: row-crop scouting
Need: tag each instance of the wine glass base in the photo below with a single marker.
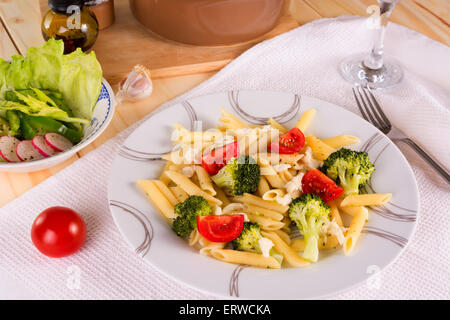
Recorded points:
(354, 71)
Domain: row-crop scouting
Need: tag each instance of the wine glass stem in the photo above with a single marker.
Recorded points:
(374, 60)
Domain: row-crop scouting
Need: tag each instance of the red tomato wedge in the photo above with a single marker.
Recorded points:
(291, 142)
(315, 181)
(223, 228)
(218, 157)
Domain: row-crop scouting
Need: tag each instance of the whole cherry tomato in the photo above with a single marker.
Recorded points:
(58, 232)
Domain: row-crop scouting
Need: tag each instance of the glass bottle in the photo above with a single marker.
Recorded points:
(72, 22)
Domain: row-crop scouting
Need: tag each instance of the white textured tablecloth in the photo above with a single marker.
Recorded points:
(303, 61)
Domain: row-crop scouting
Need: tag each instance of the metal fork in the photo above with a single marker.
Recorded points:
(372, 112)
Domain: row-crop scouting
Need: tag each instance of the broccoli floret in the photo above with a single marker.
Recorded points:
(249, 238)
(187, 212)
(350, 169)
(240, 175)
(310, 213)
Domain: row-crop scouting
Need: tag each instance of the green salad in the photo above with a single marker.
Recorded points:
(46, 92)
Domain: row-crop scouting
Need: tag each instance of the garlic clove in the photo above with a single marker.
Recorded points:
(136, 86)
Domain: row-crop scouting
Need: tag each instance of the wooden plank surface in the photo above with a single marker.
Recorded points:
(7, 48)
(20, 20)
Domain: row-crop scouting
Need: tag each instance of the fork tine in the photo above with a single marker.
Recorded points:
(373, 108)
(380, 110)
(360, 106)
(367, 109)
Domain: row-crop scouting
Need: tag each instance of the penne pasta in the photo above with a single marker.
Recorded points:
(275, 181)
(158, 199)
(206, 250)
(194, 237)
(341, 141)
(271, 214)
(165, 179)
(290, 256)
(284, 236)
(306, 119)
(231, 122)
(178, 167)
(175, 157)
(285, 176)
(354, 231)
(335, 212)
(273, 194)
(373, 199)
(247, 144)
(204, 180)
(245, 258)
(293, 172)
(263, 186)
(191, 188)
(320, 150)
(179, 193)
(221, 195)
(202, 136)
(291, 159)
(265, 223)
(351, 211)
(274, 124)
(257, 201)
(166, 192)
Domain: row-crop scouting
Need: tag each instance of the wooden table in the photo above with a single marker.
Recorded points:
(20, 29)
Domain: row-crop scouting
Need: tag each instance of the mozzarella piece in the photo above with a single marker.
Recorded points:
(188, 171)
(265, 245)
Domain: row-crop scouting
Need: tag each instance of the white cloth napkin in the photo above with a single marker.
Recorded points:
(302, 61)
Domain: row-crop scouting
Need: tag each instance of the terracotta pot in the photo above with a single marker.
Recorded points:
(208, 22)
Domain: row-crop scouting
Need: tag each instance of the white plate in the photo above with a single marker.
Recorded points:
(385, 235)
(102, 116)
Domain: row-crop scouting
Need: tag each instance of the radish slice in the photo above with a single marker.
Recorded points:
(27, 152)
(42, 147)
(58, 142)
(8, 147)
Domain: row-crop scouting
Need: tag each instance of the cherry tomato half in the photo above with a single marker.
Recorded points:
(223, 228)
(315, 181)
(58, 232)
(291, 142)
(218, 157)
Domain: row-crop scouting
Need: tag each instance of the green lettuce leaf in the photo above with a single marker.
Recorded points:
(18, 75)
(46, 64)
(78, 76)
(37, 108)
(81, 79)
(4, 66)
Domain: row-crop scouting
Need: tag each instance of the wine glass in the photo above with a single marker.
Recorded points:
(374, 70)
